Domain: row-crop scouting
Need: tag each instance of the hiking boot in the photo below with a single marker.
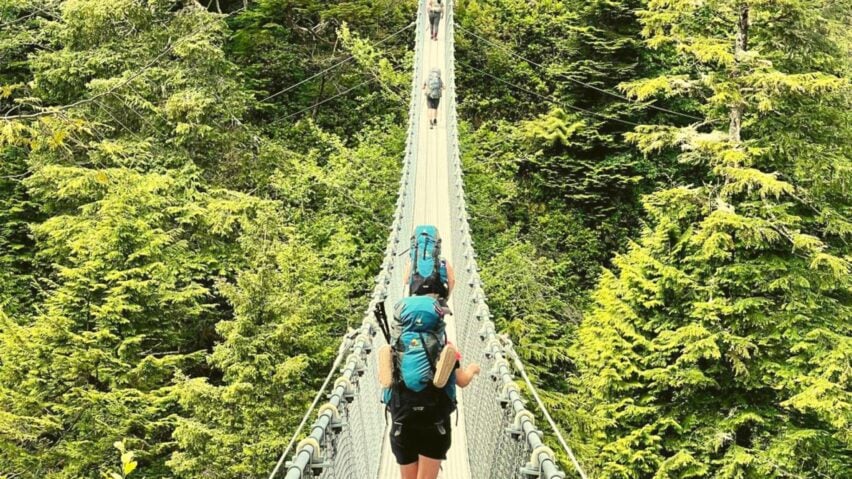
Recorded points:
(385, 366)
(445, 365)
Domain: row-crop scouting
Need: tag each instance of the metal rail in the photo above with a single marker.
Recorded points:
(501, 434)
(346, 438)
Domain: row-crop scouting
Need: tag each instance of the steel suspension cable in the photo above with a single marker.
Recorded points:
(574, 80)
(171, 45)
(519, 365)
(339, 448)
(344, 346)
(336, 65)
(549, 99)
(303, 110)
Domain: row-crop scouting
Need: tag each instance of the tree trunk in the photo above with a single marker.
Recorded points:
(740, 47)
(322, 85)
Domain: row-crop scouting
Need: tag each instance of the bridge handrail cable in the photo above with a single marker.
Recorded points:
(475, 314)
(307, 460)
(502, 438)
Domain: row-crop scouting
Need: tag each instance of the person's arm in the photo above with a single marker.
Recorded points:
(465, 375)
(451, 279)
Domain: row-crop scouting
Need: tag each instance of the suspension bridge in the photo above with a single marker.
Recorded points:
(495, 435)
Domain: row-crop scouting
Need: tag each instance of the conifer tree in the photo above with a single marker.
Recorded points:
(123, 131)
(719, 344)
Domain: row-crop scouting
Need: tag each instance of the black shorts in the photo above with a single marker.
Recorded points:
(427, 441)
(432, 103)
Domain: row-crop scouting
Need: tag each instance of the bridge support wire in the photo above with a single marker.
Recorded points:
(501, 432)
(344, 347)
(519, 366)
(346, 438)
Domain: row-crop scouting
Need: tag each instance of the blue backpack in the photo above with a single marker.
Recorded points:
(428, 270)
(422, 337)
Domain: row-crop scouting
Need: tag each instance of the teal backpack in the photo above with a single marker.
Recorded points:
(428, 270)
(419, 323)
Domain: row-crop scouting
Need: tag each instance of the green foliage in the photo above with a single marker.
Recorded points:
(128, 463)
(308, 266)
(718, 345)
(279, 43)
(175, 253)
(164, 260)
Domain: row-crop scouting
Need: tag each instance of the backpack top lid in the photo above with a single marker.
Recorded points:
(430, 230)
(419, 314)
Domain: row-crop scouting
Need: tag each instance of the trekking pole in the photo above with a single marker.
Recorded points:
(382, 319)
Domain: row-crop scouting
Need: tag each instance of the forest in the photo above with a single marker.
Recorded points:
(195, 196)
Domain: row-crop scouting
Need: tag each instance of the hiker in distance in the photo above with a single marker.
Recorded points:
(434, 87)
(436, 11)
(419, 374)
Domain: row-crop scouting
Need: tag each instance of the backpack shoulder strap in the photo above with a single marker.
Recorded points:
(436, 257)
(416, 247)
(429, 358)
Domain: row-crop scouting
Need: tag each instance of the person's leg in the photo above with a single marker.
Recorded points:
(409, 471)
(428, 468)
(435, 443)
(404, 445)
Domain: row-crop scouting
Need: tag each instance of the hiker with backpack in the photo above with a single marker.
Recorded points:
(419, 371)
(427, 272)
(436, 11)
(433, 87)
